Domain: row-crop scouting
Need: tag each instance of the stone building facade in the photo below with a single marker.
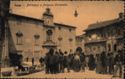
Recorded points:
(33, 37)
(105, 36)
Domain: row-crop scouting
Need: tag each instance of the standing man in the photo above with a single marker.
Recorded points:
(32, 61)
(118, 64)
(82, 59)
(61, 59)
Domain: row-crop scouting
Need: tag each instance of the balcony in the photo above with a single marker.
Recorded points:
(95, 40)
(119, 37)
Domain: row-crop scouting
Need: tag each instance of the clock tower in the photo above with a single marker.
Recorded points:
(48, 17)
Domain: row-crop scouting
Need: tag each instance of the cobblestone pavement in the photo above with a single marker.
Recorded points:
(72, 75)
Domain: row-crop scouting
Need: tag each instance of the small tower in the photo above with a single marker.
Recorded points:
(48, 17)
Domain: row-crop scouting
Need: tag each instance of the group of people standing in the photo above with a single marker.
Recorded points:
(103, 63)
(59, 62)
(109, 63)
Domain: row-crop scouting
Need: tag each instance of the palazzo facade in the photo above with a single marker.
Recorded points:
(105, 36)
(33, 37)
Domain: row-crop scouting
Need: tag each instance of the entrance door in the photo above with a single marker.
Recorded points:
(51, 47)
(47, 48)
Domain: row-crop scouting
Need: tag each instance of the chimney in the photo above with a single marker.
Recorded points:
(121, 16)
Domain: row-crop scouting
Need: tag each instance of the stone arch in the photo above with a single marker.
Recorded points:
(79, 49)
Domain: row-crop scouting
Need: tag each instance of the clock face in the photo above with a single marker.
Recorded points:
(48, 21)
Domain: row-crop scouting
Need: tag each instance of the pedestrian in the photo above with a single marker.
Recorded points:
(103, 62)
(27, 59)
(71, 56)
(86, 62)
(65, 61)
(98, 64)
(76, 62)
(111, 66)
(108, 62)
(118, 64)
(82, 59)
(70, 60)
(33, 61)
(6, 61)
(52, 61)
(61, 59)
(91, 62)
(41, 60)
(57, 60)
(46, 61)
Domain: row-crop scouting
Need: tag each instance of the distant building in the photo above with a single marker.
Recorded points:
(33, 37)
(80, 42)
(105, 36)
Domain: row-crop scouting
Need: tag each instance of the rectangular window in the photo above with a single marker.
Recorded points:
(36, 38)
(19, 41)
(36, 42)
(59, 28)
(70, 30)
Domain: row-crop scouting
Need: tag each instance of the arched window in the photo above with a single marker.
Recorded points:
(70, 30)
(59, 28)
(79, 49)
(36, 37)
(60, 38)
(70, 39)
(19, 36)
(49, 35)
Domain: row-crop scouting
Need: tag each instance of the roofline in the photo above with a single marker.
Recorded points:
(93, 29)
(25, 17)
(65, 25)
(35, 19)
(99, 27)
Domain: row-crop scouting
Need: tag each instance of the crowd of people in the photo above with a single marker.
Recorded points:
(103, 63)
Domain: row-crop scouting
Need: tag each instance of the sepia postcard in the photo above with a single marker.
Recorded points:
(62, 39)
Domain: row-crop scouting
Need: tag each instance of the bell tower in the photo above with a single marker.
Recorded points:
(48, 17)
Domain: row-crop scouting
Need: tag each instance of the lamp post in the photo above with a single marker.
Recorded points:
(32, 59)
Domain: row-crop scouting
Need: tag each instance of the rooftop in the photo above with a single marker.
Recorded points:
(101, 24)
(37, 20)
(105, 23)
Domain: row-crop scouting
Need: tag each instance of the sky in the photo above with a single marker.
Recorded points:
(88, 11)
